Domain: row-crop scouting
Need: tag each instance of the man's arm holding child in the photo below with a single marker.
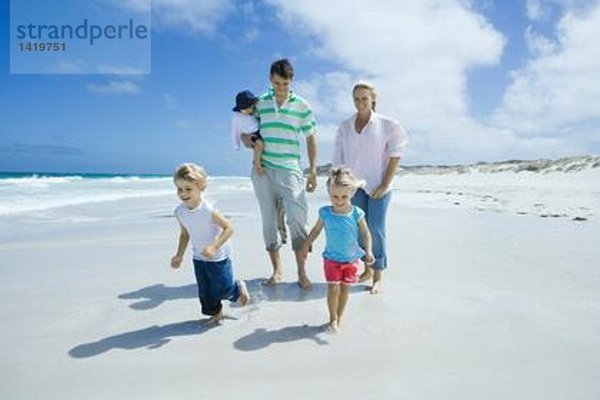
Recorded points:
(246, 139)
(184, 238)
(257, 155)
(226, 232)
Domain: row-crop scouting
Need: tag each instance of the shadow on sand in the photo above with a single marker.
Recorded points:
(284, 291)
(262, 338)
(151, 338)
(290, 291)
(157, 336)
(153, 296)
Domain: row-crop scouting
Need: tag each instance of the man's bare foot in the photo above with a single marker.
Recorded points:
(214, 319)
(273, 280)
(375, 288)
(244, 294)
(333, 327)
(365, 276)
(304, 282)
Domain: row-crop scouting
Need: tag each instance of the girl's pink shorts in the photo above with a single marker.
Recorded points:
(341, 272)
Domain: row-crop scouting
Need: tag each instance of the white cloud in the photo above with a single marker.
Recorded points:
(62, 66)
(193, 16)
(542, 11)
(558, 93)
(115, 88)
(417, 53)
(539, 44)
(534, 10)
(329, 94)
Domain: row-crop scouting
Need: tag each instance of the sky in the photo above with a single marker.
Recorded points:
(469, 80)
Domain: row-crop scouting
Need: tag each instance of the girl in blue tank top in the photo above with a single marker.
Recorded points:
(343, 224)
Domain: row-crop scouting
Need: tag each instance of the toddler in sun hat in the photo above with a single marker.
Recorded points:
(245, 127)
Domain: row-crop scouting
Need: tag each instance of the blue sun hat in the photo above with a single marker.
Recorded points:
(244, 100)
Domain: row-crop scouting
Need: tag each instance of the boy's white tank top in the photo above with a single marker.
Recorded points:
(202, 229)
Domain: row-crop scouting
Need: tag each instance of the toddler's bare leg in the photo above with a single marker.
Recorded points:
(214, 319)
(343, 300)
(333, 297)
(244, 294)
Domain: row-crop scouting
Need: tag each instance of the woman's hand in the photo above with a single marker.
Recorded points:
(379, 191)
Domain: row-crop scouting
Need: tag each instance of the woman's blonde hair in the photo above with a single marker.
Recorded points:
(370, 88)
(344, 177)
(192, 173)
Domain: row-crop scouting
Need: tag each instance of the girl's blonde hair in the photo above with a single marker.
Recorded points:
(344, 177)
(192, 173)
(370, 88)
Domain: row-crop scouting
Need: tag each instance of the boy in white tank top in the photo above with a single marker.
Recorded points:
(209, 232)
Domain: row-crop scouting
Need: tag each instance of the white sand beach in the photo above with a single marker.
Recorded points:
(493, 293)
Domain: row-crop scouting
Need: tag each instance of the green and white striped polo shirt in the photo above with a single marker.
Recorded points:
(283, 128)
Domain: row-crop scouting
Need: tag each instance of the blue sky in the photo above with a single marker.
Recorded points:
(470, 80)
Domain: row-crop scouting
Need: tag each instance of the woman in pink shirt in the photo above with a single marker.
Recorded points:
(371, 145)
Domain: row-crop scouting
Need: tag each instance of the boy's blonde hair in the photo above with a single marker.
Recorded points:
(344, 177)
(370, 88)
(192, 173)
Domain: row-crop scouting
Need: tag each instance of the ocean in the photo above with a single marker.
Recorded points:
(566, 188)
(22, 193)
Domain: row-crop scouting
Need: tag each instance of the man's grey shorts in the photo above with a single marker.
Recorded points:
(289, 186)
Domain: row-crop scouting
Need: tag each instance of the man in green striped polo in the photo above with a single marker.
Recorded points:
(285, 120)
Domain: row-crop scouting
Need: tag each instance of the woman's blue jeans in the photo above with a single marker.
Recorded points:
(375, 214)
